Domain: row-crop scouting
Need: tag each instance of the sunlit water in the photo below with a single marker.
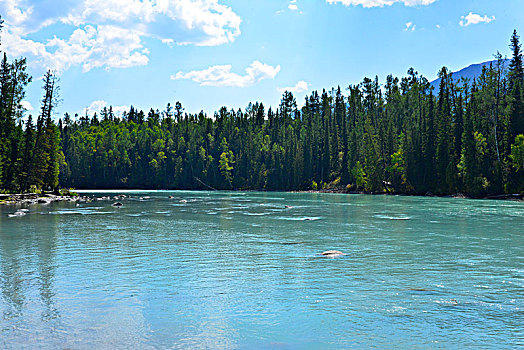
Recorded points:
(240, 270)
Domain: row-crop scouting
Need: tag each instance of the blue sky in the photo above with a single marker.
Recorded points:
(211, 53)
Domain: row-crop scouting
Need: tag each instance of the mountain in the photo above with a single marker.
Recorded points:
(470, 72)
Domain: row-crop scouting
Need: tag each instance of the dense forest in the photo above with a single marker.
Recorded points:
(398, 137)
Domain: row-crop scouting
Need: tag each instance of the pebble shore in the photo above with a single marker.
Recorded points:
(33, 198)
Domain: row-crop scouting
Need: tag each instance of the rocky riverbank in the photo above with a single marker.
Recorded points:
(34, 198)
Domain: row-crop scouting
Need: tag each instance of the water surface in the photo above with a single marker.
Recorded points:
(241, 270)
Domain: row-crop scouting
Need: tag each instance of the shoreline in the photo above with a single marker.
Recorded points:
(513, 197)
(35, 198)
(47, 198)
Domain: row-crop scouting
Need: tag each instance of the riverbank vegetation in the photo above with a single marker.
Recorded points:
(401, 137)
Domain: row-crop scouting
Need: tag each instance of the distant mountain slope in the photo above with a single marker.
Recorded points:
(470, 72)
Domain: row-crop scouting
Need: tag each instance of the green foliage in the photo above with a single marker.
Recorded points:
(397, 168)
(34, 189)
(68, 192)
(226, 161)
(517, 153)
(360, 176)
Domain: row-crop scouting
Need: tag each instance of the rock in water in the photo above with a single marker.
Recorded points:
(117, 204)
(332, 253)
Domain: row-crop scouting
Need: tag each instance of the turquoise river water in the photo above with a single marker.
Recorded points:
(240, 270)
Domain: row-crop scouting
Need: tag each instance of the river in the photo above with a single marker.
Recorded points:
(243, 270)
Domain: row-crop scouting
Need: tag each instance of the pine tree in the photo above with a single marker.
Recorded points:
(516, 67)
(27, 157)
(467, 166)
(443, 132)
(51, 144)
(516, 85)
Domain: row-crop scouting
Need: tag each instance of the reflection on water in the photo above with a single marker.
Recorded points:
(243, 270)
(27, 271)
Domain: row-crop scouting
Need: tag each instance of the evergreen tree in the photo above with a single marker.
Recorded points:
(443, 133)
(516, 84)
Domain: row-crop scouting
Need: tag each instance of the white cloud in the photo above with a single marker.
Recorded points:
(381, 3)
(26, 105)
(110, 33)
(169, 42)
(410, 27)
(293, 7)
(97, 106)
(105, 46)
(301, 86)
(200, 22)
(222, 75)
(473, 18)
(11, 10)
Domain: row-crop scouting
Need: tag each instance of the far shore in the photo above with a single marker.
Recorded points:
(79, 196)
(516, 197)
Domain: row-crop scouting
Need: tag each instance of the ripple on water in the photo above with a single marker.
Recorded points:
(86, 211)
(390, 217)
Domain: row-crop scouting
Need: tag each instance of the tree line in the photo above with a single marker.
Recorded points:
(398, 137)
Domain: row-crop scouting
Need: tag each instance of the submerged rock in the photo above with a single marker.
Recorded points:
(332, 253)
(420, 290)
